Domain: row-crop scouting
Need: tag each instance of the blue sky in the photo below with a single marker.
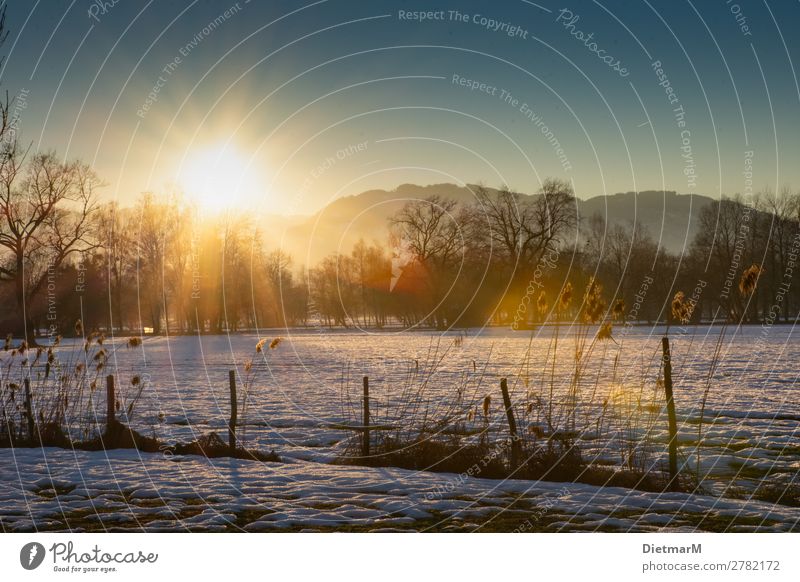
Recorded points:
(288, 90)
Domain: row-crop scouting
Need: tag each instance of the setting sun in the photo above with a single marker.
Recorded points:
(218, 177)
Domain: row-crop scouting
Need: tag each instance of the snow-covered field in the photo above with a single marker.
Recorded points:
(312, 379)
(57, 489)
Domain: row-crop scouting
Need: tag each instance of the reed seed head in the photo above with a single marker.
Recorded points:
(541, 303)
(749, 280)
(604, 333)
(565, 297)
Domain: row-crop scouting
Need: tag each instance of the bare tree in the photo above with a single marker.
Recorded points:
(46, 211)
(522, 228)
(433, 231)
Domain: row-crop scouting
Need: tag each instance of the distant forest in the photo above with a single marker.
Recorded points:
(504, 259)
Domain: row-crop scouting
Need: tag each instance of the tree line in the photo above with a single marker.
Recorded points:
(158, 266)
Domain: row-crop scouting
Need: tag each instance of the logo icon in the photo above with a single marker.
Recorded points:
(31, 555)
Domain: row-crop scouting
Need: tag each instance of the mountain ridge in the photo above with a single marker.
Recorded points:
(670, 217)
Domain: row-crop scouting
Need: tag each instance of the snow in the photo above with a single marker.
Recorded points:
(137, 491)
(313, 380)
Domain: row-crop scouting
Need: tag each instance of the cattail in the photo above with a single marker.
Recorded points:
(471, 415)
(681, 308)
(248, 366)
(487, 401)
(136, 380)
(593, 304)
(604, 333)
(565, 297)
(749, 280)
(541, 303)
(275, 343)
(79, 327)
(22, 347)
(260, 345)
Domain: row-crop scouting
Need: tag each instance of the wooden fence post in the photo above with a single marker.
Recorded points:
(234, 412)
(111, 403)
(29, 409)
(673, 424)
(365, 443)
(512, 423)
